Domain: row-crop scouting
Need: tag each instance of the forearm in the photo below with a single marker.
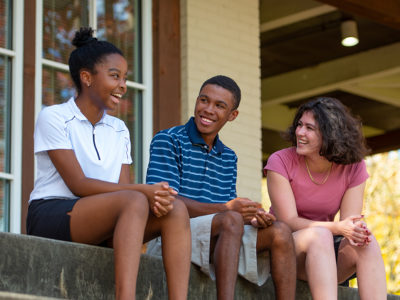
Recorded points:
(79, 184)
(196, 208)
(298, 223)
(88, 186)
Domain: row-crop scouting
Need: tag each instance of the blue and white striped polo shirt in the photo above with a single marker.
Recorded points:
(180, 156)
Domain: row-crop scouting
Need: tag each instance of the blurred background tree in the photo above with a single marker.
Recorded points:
(381, 210)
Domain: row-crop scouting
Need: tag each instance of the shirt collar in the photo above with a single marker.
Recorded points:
(78, 114)
(196, 138)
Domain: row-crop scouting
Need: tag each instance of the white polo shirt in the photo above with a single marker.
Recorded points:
(100, 149)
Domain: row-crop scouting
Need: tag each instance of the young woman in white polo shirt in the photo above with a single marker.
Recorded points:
(82, 192)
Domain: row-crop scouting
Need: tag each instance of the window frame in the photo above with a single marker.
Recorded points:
(16, 83)
(145, 87)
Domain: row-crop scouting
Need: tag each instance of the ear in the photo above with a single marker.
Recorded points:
(233, 115)
(86, 78)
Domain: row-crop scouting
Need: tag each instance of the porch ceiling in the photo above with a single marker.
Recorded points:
(301, 58)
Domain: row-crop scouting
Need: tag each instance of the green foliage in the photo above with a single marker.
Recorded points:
(382, 211)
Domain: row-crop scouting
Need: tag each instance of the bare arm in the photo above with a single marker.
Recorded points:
(246, 207)
(352, 203)
(196, 208)
(284, 206)
(124, 176)
(70, 170)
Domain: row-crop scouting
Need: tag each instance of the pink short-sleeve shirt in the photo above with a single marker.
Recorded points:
(316, 202)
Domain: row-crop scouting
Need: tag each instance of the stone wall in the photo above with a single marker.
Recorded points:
(35, 268)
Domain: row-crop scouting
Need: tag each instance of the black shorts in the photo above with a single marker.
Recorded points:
(50, 218)
(337, 239)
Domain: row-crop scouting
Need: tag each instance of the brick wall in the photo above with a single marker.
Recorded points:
(222, 37)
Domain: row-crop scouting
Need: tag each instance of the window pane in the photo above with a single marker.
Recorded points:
(4, 207)
(118, 21)
(5, 24)
(5, 75)
(57, 86)
(130, 111)
(61, 18)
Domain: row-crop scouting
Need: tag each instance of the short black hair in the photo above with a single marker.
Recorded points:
(228, 84)
(89, 51)
(342, 138)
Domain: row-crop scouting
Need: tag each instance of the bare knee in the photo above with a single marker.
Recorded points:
(281, 235)
(179, 212)
(371, 251)
(180, 209)
(229, 222)
(132, 202)
(320, 238)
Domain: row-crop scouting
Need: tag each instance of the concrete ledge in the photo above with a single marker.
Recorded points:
(17, 296)
(49, 268)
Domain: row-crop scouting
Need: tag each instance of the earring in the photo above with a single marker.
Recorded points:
(88, 84)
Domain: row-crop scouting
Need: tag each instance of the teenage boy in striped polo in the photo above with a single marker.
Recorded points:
(230, 235)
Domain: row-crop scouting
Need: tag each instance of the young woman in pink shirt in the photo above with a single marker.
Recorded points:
(322, 174)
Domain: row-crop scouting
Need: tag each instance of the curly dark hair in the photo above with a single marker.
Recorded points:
(342, 138)
(89, 51)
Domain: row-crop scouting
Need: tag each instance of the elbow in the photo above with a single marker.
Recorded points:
(77, 191)
(78, 188)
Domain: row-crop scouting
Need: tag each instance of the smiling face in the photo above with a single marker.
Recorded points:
(108, 83)
(308, 135)
(214, 107)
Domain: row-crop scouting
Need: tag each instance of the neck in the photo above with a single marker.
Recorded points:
(92, 112)
(317, 164)
(328, 172)
(209, 140)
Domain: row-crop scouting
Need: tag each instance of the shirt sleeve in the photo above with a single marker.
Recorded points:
(276, 163)
(127, 144)
(358, 174)
(164, 163)
(50, 132)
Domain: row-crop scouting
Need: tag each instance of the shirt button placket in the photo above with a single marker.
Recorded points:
(207, 155)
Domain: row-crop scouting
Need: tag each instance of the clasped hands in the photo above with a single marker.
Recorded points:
(161, 197)
(252, 212)
(356, 230)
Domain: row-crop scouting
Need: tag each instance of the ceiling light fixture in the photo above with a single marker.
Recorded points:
(349, 33)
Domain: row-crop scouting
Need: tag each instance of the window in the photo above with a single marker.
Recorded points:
(10, 115)
(119, 22)
(5, 134)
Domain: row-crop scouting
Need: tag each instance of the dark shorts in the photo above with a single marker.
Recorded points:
(337, 239)
(50, 218)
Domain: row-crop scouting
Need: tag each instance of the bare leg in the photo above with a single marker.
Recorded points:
(174, 229)
(278, 240)
(316, 261)
(119, 214)
(226, 235)
(368, 263)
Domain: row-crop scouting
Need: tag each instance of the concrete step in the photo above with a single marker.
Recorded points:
(17, 296)
(38, 267)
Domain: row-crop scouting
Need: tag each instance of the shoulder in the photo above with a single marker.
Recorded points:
(55, 113)
(117, 124)
(283, 161)
(287, 155)
(355, 173)
(176, 133)
(228, 152)
(356, 167)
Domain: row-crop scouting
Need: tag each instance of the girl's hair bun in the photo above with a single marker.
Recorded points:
(83, 37)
